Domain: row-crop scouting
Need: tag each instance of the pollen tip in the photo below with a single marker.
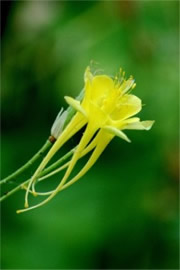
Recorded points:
(26, 205)
(34, 193)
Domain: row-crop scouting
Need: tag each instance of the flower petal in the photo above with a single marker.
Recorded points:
(132, 120)
(75, 104)
(128, 106)
(143, 125)
(103, 140)
(100, 87)
(117, 132)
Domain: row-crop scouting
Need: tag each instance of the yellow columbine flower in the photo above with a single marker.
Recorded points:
(107, 108)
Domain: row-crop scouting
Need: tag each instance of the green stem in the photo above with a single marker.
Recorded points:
(47, 170)
(26, 166)
(11, 192)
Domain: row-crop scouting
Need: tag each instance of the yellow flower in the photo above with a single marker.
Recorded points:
(107, 109)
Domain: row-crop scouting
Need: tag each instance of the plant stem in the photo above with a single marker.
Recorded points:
(11, 192)
(26, 166)
(47, 170)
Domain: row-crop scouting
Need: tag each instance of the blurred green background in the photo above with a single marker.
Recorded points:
(123, 214)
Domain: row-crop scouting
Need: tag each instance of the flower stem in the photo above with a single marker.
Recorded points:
(11, 192)
(26, 166)
(46, 171)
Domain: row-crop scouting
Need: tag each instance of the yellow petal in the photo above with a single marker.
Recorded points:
(96, 116)
(102, 144)
(116, 132)
(87, 136)
(99, 88)
(103, 139)
(132, 120)
(128, 106)
(75, 104)
(77, 122)
(144, 125)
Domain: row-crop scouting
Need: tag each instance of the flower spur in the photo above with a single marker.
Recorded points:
(107, 109)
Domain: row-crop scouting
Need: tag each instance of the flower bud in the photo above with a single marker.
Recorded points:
(58, 124)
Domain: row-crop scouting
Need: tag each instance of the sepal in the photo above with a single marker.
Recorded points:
(76, 105)
(116, 132)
